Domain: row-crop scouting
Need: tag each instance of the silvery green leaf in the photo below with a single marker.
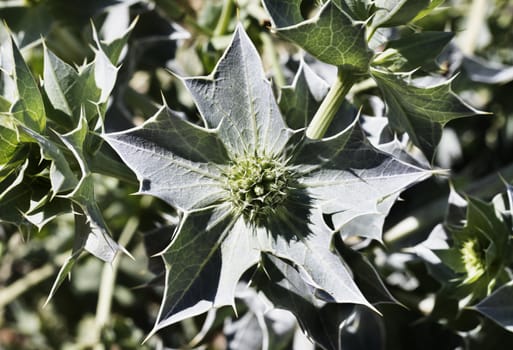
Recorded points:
(70, 90)
(208, 255)
(365, 275)
(345, 168)
(358, 9)
(22, 90)
(64, 271)
(308, 246)
(59, 81)
(114, 34)
(14, 196)
(285, 288)
(167, 147)
(96, 239)
(44, 207)
(331, 35)
(61, 176)
(8, 145)
(245, 112)
(420, 111)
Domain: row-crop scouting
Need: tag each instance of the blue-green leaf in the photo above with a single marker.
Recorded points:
(27, 103)
(210, 251)
(331, 35)
(420, 111)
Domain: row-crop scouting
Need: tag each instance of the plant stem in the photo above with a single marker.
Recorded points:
(108, 280)
(272, 55)
(224, 18)
(330, 105)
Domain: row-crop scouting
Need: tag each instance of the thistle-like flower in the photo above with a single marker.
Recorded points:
(246, 185)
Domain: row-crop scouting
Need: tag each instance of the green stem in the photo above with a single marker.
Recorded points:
(224, 18)
(330, 105)
(270, 49)
(108, 281)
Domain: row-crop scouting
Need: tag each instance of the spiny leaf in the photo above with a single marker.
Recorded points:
(283, 285)
(358, 9)
(44, 208)
(308, 245)
(331, 35)
(8, 145)
(28, 105)
(241, 110)
(365, 275)
(420, 111)
(167, 147)
(97, 238)
(14, 198)
(260, 327)
(204, 263)
(113, 48)
(61, 176)
(59, 80)
(69, 90)
(346, 167)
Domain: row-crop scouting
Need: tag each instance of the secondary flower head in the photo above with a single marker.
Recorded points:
(476, 246)
(247, 185)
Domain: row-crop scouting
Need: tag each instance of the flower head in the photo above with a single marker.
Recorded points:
(246, 185)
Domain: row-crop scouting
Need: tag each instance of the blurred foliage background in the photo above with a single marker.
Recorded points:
(114, 306)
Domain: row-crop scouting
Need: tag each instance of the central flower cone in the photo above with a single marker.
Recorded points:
(257, 186)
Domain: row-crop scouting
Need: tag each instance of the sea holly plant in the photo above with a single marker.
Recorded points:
(248, 186)
(341, 33)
